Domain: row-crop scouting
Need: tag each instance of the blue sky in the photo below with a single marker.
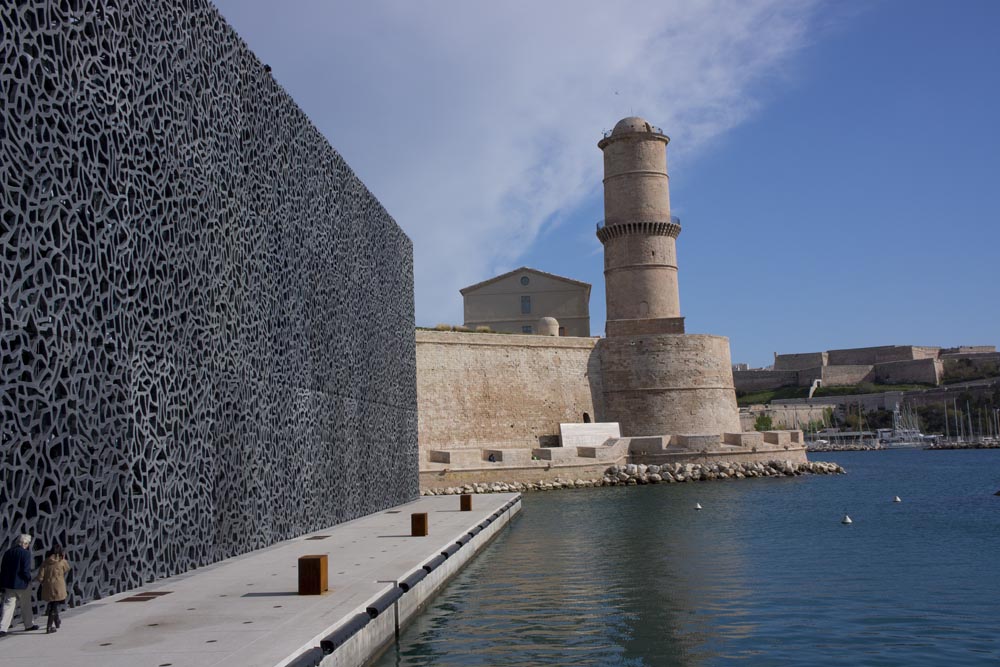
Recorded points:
(834, 165)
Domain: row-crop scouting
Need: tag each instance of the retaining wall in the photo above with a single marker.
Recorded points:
(922, 371)
(786, 416)
(750, 381)
(844, 376)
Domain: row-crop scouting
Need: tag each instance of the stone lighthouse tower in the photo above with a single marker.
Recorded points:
(639, 234)
(657, 379)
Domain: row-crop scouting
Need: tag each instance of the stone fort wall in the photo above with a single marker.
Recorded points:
(669, 384)
(880, 354)
(503, 391)
(207, 319)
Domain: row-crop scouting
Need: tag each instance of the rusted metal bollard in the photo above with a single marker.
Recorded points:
(418, 524)
(466, 502)
(313, 572)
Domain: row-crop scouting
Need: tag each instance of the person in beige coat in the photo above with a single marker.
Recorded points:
(52, 577)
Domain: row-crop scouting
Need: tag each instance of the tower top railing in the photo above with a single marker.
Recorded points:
(652, 130)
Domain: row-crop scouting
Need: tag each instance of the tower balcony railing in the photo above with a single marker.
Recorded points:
(646, 227)
(674, 219)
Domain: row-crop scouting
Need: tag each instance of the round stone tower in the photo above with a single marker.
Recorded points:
(657, 380)
(639, 234)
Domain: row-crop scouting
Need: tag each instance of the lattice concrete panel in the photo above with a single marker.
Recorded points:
(207, 340)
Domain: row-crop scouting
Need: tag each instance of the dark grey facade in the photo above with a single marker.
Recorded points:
(207, 341)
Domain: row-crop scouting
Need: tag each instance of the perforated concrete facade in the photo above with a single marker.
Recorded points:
(207, 340)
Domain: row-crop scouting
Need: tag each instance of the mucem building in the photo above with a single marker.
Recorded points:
(207, 340)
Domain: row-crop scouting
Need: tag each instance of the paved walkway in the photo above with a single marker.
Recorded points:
(245, 611)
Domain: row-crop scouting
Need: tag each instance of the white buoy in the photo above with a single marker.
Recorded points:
(846, 520)
(697, 506)
(896, 500)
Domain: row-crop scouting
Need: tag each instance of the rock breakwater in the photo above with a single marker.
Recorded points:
(845, 447)
(635, 474)
(965, 445)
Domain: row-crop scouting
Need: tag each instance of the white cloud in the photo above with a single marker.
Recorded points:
(476, 123)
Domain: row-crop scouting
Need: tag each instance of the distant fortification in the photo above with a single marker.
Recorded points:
(884, 364)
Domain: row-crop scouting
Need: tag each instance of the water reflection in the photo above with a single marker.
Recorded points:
(765, 574)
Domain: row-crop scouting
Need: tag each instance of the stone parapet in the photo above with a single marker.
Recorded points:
(743, 439)
(696, 441)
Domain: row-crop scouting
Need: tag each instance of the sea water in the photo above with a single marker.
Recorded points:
(765, 574)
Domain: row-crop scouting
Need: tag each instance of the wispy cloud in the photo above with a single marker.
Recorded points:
(475, 123)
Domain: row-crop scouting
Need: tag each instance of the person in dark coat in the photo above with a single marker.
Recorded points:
(52, 577)
(15, 580)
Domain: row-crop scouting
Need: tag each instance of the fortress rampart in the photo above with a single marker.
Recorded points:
(503, 391)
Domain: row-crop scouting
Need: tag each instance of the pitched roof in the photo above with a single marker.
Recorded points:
(523, 269)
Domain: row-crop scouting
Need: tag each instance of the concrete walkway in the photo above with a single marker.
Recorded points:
(245, 611)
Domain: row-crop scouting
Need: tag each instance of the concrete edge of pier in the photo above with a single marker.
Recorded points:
(372, 636)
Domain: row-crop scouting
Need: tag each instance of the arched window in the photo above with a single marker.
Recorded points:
(586, 417)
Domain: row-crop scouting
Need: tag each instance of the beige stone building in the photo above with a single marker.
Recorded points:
(517, 301)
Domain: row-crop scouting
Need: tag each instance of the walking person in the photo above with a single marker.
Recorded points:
(52, 577)
(15, 580)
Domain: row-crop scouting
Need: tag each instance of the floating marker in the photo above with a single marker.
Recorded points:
(697, 506)
(846, 520)
(896, 500)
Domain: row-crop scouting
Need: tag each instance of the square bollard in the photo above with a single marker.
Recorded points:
(313, 571)
(418, 524)
(466, 502)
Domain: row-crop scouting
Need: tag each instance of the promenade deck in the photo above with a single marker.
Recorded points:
(245, 611)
